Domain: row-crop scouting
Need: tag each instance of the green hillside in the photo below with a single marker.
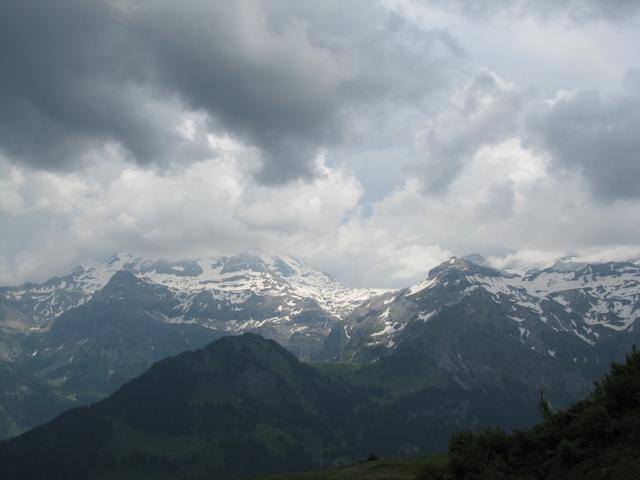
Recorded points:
(408, 468)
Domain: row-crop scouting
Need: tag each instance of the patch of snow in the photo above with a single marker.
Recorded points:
(424, 316)
(422, 286)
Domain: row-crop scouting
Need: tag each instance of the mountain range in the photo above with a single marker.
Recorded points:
(595, 304)
(248, 290)
(467, 338)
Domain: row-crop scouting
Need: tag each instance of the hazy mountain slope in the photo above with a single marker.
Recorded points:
(597, 438)
(203, 412)
(25, 402)
(14, 330)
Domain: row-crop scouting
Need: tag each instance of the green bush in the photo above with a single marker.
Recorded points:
(621, 388)
(465, 454)
(470, 454)
(432, 471)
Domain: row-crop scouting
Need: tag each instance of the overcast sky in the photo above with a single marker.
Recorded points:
(372, 138)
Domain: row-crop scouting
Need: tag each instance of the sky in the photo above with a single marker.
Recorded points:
(372, 138)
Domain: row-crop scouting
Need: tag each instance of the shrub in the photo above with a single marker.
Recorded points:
(465, 454)
(593, 423)
(432, 471)
(568, 452)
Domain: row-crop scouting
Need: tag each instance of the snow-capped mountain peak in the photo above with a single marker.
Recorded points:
(589, 302)
(245, 290)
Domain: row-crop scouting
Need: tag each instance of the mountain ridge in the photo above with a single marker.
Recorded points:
(568, 322)
(227, 281)
(596, 303)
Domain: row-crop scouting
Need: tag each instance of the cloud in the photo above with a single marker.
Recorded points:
(483, 112)
(582, 132)
(596, 136)
(523, 260)
(508, 203)
(82, 76)
(578, 11)
(54, 220)
(66, 87)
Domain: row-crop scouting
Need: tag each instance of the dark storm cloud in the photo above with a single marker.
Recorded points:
(595, 136)
(70, 83)
(77, 75)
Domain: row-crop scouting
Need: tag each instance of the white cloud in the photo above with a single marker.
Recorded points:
(208, 206)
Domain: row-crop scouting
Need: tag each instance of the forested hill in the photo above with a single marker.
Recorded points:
(240, 407)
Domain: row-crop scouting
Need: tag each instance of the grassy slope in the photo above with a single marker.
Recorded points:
(389, 388)
(407, 468)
